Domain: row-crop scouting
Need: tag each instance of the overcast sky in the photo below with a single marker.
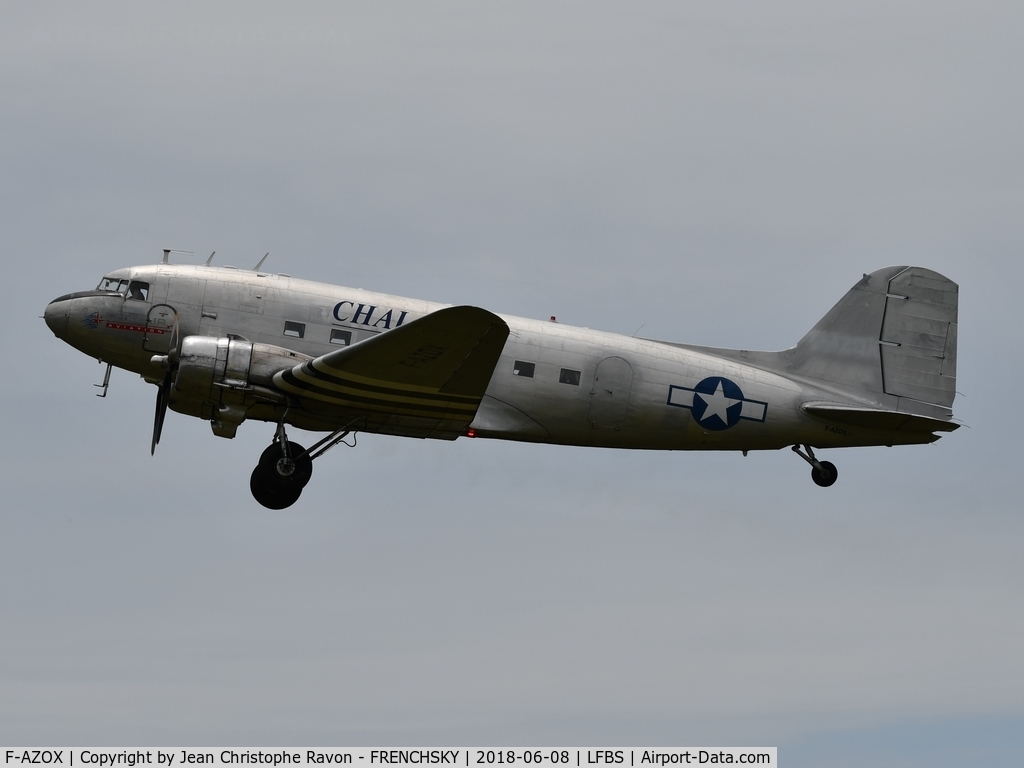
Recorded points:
(717, 174)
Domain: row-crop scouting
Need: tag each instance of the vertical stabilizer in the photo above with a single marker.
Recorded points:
(893, 333)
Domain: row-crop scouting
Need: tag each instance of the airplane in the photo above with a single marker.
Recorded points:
(230, 345)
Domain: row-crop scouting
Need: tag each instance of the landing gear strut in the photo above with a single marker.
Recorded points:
(823, 473)
(285, 468)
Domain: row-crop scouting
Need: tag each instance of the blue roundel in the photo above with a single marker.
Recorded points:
(717, 403)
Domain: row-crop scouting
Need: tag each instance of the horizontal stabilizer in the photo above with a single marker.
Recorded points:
(423, 379)
(874, 418)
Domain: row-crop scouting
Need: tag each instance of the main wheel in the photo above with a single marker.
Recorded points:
(269, 491)
(825, 476)
(272, 462)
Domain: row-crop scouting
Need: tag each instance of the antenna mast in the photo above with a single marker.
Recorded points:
(169, 251)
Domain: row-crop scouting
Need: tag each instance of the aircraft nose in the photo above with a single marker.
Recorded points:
(56, 316)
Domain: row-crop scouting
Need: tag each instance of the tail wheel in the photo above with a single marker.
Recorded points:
(826, 475)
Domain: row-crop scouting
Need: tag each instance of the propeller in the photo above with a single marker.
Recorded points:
(163, 394)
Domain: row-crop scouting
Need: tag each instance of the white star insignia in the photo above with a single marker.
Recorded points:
(717, 404)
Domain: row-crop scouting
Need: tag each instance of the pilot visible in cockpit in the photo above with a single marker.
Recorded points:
(138, 290)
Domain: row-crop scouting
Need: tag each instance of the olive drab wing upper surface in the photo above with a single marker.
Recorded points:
(428, 375)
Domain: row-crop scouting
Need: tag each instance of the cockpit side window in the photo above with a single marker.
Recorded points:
(112, 284)
(138, 290)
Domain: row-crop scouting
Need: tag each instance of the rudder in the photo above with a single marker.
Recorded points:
(918, 339)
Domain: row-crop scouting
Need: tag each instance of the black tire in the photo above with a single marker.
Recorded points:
(269, 492)
(825, 476)
(303, 466)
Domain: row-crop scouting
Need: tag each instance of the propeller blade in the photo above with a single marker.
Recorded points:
(163, 394)
(175, 342)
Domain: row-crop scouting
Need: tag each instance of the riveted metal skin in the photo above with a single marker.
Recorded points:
(878, 369)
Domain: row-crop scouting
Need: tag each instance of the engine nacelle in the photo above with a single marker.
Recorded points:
(221, 379)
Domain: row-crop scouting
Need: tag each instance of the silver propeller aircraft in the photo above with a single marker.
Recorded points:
(228, 345)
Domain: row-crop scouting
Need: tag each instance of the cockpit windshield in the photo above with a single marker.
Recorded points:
(112, 284)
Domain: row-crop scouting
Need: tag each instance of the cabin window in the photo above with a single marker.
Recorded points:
(138, 290)
(295, 330)
(338, 336)
(569, 376)
(523, 369)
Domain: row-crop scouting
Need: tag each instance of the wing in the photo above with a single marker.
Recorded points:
(423, 379)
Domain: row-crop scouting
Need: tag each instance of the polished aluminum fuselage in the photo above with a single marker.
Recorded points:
(587, 387)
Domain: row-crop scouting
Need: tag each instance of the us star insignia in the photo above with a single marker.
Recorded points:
(717, 403)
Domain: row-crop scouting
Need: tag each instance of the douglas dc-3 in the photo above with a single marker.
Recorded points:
(228, 345)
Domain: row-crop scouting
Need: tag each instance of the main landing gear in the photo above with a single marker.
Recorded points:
(285, 468)
(283, 471)
(823, 473)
